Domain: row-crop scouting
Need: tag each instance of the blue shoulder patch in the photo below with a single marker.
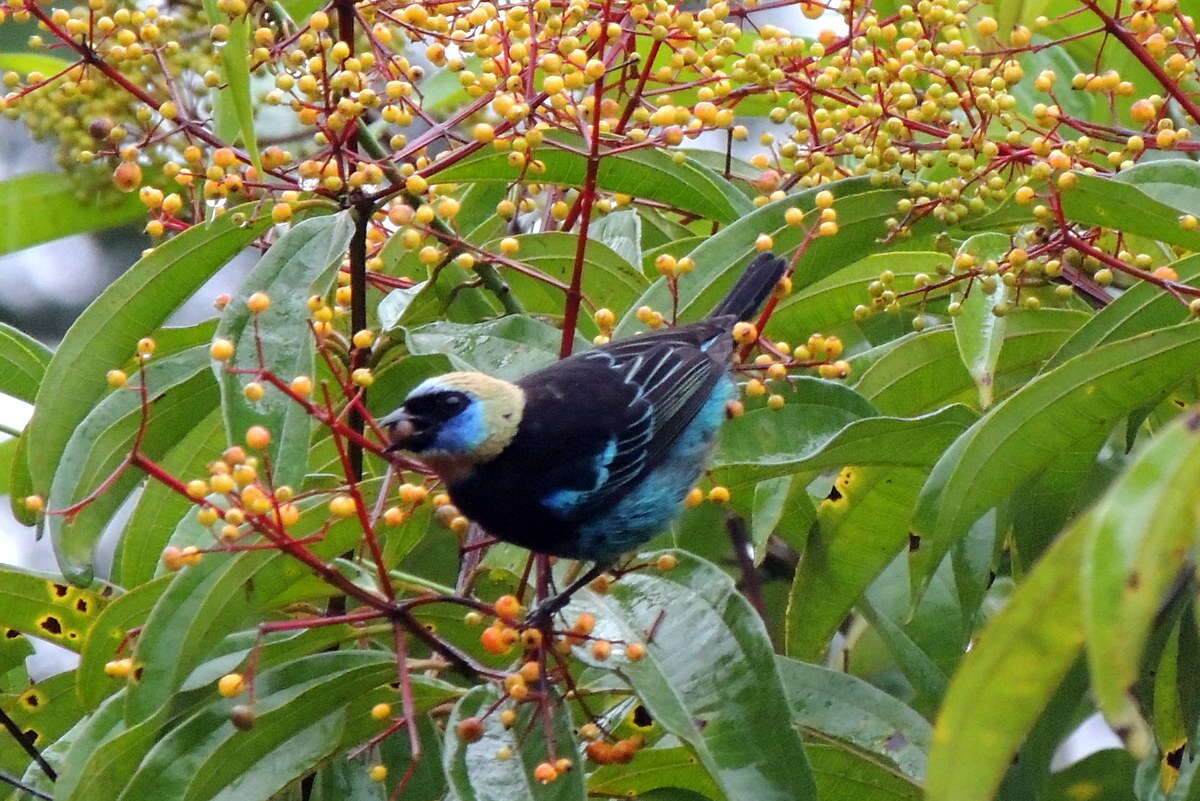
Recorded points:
(562, 501)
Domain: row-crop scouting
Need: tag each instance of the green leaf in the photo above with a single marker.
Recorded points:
(846, 708)
(43, 206)
(734, 718)
(819, 436)
(474, 772)
(857, 535)
(608, 279)
(183, 391)
(301, 263)
(108, 633)
(1112, 203)
(1136, 541)
(925, 372)
(234, 56)
(829, 303)
(1175, 182)
(654, 768)
(978, 332)
(47, 709)
(160, 507)
(862, 215)
(507, 348)
(20, 484)
(43, 606)
(646, 173)
(25, 63)
(1012, 670)
(23, 361)
(106, 333)
(1143, 307)
(620, 232)
(844, 773)
(1023, 434)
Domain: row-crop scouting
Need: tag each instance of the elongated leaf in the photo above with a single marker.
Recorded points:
(817, 437)
(183, 391)
(474, 772)
(1112, 203)
(25, 63)
(159, 507)
(235, 70)
(107, 332)
(846, 708)
(1020, 436)
(1136, 543)
(42, 605)
(608, 279)
(23, 361)
(20, 484)
(659, 767)
(648, 173)
(862, 215)
(846, 773)
(301, 263)
(42, 206)
(856, 537)
(1175, 182)
(108, 633)
(506, 348)
(1140, 308)
(620, 232)
(1011, 672)
(735, 718)
(925, 372)
(44, 711)
(978, 332)
(825, 304)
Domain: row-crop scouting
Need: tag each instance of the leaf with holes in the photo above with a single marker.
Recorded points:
(42, 605)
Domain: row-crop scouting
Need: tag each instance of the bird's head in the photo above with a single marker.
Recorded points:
(468, 417)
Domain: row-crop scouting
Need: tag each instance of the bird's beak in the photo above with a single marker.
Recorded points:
(400, 428)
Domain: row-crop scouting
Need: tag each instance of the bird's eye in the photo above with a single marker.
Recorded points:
(452, 401)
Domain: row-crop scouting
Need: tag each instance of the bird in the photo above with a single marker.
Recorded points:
(593, 455)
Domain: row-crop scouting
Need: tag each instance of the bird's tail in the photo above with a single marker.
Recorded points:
(752, 288)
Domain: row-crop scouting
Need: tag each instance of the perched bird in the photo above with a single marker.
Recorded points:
(593, 455)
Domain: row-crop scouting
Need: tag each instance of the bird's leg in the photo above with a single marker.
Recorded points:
(541, 614)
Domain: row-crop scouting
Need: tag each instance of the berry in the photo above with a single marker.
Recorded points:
(745, 333)
(257, 438)
(601, 649)
(343, 506)
(259, 302)
(378, 773)
(667, 562)
(118, 668)
(172, 558)
(493, 641)
(197, 488)
(507, 607)
(242, 717)
(635, 651)
(584, 624)
(116, 378)
(381, 711)
(230, 685)
(469, 730)
(545, 773)
(221, 350)
(720, 494)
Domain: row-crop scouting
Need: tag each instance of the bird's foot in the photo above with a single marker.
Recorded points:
(542, 615)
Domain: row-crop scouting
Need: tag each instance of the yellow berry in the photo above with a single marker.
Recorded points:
(343, 506)
(694, 497)
(378, 773)
(258, 437)
(221, 350)
(259, 302)
(116, 378)
(381, 711)
(230, 685)
(667, 562)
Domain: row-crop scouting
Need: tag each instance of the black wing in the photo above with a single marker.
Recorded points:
(618, 409)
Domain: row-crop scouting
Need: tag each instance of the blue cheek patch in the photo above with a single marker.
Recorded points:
(462, 433)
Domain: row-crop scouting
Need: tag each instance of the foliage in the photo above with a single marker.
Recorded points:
(953, 516)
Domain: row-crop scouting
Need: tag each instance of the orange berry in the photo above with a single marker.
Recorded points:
(599, 752)
(584, 624)
(545, 773)
(635, 651)
(1166, 273)
(343, 506)
(172, 558)
(507, 607)
(493, 641)
(601, 649)
(127, 176)
(667, 562)
(257, 438)
(259, 302)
